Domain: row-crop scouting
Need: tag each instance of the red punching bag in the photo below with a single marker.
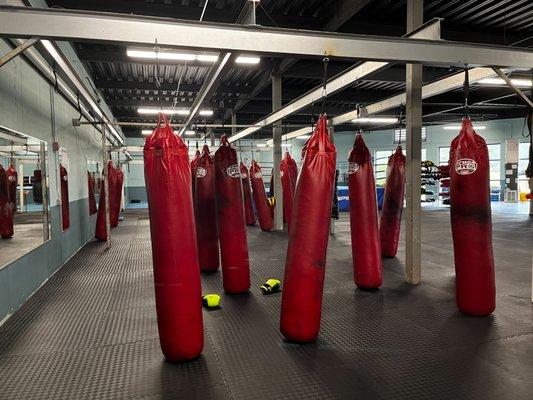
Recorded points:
(178, 292)
(247, 194)
(100, 232)
(205, 212)
(366, 252)
(92, 199)
(118, 181)
(471, 222)
(391, 212)
(293, 168)
(12, 179)
(287, 187)
(231, 220)
(65, 213)
(6, 214)
(260, 200)
(301, 302)
(193, 174)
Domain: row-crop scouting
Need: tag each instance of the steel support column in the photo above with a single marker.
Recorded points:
(413, 80)
(276, 136)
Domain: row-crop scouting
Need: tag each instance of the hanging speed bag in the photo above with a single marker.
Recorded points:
(366, 251)
(37, 187)
(175, 256)
(391, 212)
(301, 302)
(118, 181)
(231, 220)
(92, 199)
(12, 179)
(65, 213)
(247, 194)
(287, 186)
(6, 214)
(205, 212)
(260, 200)
(470, 213)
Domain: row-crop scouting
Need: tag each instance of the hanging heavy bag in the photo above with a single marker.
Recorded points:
(308, 239)
(293, 168)
(193, 175)
(100, 231)
(286, 175)
(366, 251)
(471, 222)
(391, 212)
(6, 214)
(247, 194)
(65, 213)
(37, 187)
(12, 179)
(231, 220)
(92, 199)
(260, 200)
(175, 256)
(205, 212)
(118, 181)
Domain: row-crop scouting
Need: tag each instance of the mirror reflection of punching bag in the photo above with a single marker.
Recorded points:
(6, 215)
(12, 179)
(92, 200)
(65, 214)
(37, 187)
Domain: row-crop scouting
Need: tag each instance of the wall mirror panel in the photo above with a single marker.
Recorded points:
(24, 195)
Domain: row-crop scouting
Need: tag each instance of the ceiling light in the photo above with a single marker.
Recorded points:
(170, 55)
(146, 131)
(458, 127)
(499, 81)
(190, 133)
(206, 113)
(375, 120)
(252, 60)
(303, 137)
(286, 145)
(148, 110)
(262, 145)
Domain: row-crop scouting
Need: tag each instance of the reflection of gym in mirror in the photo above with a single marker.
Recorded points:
(24, 201)
(93, 184)
(63, 188)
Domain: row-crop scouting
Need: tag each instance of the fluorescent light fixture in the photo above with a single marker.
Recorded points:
(375, 120)
(206, 113)
(458, 127)
(262, 145)
(251, 60)
(170, 55)
(190, 133)
(147, 131)
(286, 145)
(499, 81)
(303, 137)
(178, 111)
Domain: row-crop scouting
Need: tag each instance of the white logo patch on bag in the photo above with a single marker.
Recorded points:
(353, 167)
(465, 166)
(244, 176)
(258, 175)
(281, 174)
(201, 172)
(11, 178)
(234, 171)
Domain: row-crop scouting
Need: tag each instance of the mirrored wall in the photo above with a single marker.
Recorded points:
(24, 195)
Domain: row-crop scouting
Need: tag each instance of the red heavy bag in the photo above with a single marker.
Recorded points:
(65, 213)
(260, 200)
(6, 214)
(193, 174)
(231, 222)
(287, 186)
(471, 222)
(247, 194)
(178, 292)
(293, 168)
(12, 179)
(366, 252)
(205, 212)
(301, 302)
(100, 232)
(391, 212)
(92, 199)
(118, 181)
